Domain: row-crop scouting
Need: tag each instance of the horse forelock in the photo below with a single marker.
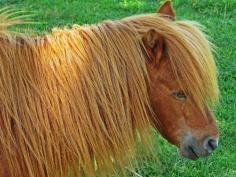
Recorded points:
(190, 54)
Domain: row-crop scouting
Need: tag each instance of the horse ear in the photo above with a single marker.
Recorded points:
(167, 9)
(154, 45)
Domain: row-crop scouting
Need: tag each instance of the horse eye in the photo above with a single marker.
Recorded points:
(180, 95)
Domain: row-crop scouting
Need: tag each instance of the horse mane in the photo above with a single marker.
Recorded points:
(76, 101)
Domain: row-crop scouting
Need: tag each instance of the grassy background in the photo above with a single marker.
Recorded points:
(219, 16)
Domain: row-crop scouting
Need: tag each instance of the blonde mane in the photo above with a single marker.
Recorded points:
(75, 102)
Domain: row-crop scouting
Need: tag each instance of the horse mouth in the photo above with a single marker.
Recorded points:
(188, 152)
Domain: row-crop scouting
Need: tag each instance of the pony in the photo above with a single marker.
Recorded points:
(77, 101)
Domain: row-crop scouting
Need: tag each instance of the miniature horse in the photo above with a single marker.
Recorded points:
(76, 102)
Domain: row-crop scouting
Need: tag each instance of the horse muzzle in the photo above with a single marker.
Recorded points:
(193, 149)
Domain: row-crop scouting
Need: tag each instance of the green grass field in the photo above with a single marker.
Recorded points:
(219, 17)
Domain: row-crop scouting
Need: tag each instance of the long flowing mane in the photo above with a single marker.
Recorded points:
(76, 101)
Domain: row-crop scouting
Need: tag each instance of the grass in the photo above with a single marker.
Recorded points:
(219, 17)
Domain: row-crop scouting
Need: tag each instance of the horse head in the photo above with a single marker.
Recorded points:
(177, 116)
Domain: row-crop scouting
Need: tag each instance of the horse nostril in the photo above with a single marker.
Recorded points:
(210, 144)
